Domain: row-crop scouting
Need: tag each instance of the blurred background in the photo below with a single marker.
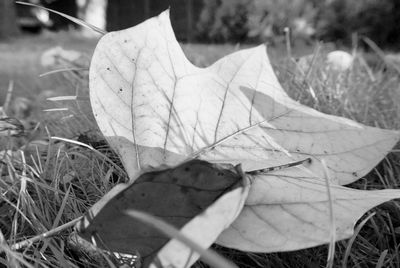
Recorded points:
(34, 41)
(221, 21)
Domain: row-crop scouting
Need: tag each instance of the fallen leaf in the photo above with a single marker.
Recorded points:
(285, 212)
(176, 195)
(204, 229)
(155, 108)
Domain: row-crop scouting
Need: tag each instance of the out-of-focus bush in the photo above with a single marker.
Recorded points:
(255, 20)
(329, 20)
(269, 18)
(377, 19)
(224, 20)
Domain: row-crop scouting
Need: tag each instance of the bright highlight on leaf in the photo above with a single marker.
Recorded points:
(155, 108)
(285, 213)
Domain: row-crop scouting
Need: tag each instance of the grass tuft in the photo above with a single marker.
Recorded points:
(50, 189)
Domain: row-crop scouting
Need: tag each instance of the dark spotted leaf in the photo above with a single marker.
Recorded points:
(176, 195)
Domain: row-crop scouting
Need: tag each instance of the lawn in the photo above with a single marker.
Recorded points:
(51, 182)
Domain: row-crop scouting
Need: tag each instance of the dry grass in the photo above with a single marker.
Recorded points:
(46, 187)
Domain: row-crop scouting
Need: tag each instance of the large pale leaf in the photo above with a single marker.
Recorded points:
(156, 108)
(145, 92)
(285, 212)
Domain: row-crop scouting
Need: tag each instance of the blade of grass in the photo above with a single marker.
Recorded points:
(208, 256)
(351, 241)
(393, 234)
(381, 260)
(380, 53)
(8, 96)
(331, 250)
(73, 19)
(62, 98)
(16, 256)
(63, 70)
(59, 215)
(90, 148)
(56, 110)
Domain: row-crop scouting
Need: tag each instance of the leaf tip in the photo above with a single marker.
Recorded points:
(165, 15)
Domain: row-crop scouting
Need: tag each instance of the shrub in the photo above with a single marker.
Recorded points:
(378, 20)
(329, 20)
(224, 20)
(255, 20)
(269, 18)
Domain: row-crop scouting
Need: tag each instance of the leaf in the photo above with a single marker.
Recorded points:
(284, 212)
(176, 195)
(155, 108)
(204, 229)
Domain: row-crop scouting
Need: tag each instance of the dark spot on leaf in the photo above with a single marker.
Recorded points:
(144, 233)
(120, 196)
(355, 174)
(184, 190)
(220, 174)
(125, 41)
(120, 89)
(325, 152)
(187, 169)
(195, 190)
(199, 207)
(108, 68)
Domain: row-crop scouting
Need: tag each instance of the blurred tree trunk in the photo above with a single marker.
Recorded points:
(8, 19)
(123, 14)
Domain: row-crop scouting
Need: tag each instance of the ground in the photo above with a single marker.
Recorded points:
(73, 178)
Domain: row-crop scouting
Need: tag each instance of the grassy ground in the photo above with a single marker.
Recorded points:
(57, 182)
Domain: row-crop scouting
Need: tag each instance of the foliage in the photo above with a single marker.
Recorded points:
(255, 20)
(224, 20)
(269, 18)
(336, 20)
(378, 20)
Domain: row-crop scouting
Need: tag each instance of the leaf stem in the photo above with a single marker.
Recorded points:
(276, 168)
